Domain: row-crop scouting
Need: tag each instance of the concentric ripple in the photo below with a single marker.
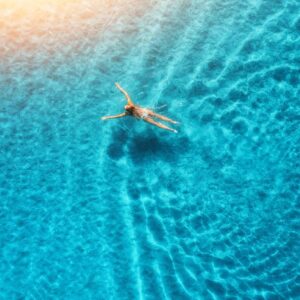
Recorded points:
(123, 210)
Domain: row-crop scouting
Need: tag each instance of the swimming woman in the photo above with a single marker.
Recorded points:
(138, 112)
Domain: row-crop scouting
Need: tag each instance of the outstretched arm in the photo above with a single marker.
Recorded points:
(125, 94)
(158, 124)
(114, 117)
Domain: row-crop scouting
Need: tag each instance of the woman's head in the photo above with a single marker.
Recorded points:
(129, 107)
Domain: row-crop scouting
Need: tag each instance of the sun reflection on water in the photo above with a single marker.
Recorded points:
(58, 21)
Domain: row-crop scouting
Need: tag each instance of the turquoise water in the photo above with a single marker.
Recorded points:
(121, 209)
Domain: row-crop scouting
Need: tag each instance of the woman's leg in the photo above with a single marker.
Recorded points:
(158, 124)
(164, 118)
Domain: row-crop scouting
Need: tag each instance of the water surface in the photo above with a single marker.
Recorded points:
(124, 210)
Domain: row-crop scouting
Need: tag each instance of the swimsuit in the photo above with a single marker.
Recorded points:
(144, 115)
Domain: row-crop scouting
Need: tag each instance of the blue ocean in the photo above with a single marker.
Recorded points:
(121, 209)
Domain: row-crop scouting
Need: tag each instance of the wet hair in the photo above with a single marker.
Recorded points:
(129, 107)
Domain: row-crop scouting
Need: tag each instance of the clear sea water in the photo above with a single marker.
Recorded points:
(121, 209)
